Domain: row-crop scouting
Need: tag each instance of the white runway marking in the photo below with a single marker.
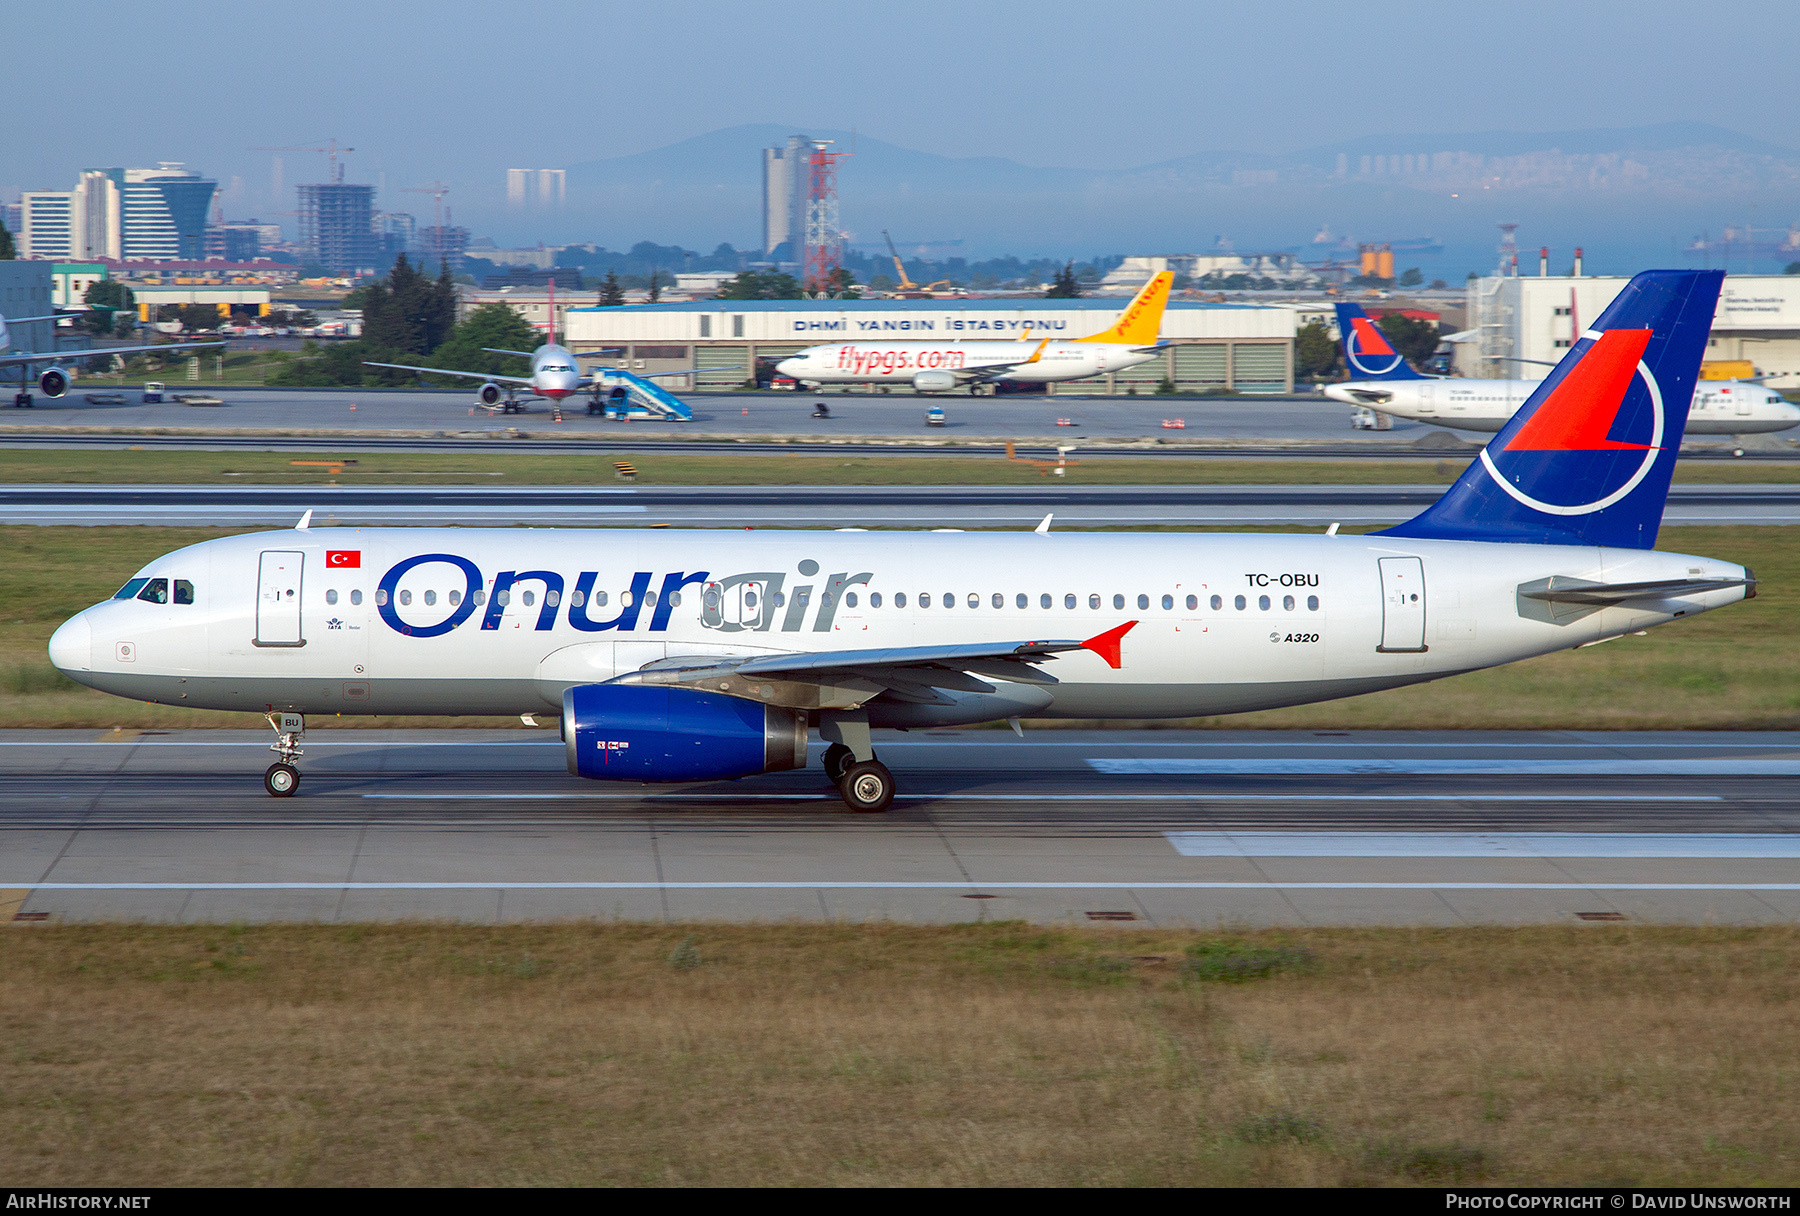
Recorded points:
(900, 886)
(1609, 766)
(1096, 797)
(1485, 844)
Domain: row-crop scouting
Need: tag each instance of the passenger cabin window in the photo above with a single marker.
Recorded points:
(1262, 602)
(331, 597)
(1094, 602)
(1119, 602)
(1217, 602)
(1143, 601)
(1023, 600)
(1169, 602)
(899, 599)
(1068, 601)
(1239, 603)
(850, 599)
(1044, 600)
(156, 591)
(874, 599)
(184, 591)
(924, 599)
(1312, 603)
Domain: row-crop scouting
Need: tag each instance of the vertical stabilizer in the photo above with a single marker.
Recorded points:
(1367, 352)
(1141, 321)
(1587, 459)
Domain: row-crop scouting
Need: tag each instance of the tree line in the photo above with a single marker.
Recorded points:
(409, 317)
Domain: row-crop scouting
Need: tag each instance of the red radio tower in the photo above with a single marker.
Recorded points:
(824, 238)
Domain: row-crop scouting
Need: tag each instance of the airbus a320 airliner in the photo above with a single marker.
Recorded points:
(706, 655)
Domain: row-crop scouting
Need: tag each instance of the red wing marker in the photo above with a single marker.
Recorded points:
(1106, 645)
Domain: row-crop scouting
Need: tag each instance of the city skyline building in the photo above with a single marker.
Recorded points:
(784, 197)
(540, 187)
(337, 226)
(119, 214)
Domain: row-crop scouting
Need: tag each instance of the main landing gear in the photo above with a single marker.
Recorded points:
(864, 782)
(282, 778)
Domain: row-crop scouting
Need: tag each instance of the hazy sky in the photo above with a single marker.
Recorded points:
(460, 91)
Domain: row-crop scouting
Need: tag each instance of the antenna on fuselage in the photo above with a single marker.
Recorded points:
(305, 521)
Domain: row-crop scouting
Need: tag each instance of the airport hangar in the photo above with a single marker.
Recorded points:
(1531, 317)
(1247, 348)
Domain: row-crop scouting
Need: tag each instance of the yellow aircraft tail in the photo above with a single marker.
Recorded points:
(1141, 321)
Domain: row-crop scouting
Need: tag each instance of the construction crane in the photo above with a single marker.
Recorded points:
(437, 191)
(907, 286)
(331, 151)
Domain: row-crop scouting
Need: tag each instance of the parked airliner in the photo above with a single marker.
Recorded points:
(706, 655)
(53, 381)
(1386, 382)
(556, 375)
(939, 367)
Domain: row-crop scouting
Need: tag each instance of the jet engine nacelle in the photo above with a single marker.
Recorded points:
(488, 394)
(634, 732)
(54, 382)
(934, 382)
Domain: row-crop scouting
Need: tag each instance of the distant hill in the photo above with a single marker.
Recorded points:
(1629, 188)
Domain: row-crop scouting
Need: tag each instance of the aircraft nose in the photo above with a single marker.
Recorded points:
(72, 646)
(789, 365)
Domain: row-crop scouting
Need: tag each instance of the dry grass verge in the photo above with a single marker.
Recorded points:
(969, 1055)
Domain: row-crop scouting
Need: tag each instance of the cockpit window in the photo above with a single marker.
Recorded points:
(129, 590)
(184, 591)
(156, 591)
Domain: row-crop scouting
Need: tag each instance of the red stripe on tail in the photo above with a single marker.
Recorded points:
(1578, 413)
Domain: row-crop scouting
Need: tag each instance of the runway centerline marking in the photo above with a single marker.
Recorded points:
(831, 885)
(1099, 797)
(1599, 766)
(1694, 845)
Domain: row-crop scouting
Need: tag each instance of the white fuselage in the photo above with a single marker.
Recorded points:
(413, 621)
(1720, 407)
(899, 362)
(554, 372)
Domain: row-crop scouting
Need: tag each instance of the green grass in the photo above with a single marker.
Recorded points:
(1735, 669)
(159, 467)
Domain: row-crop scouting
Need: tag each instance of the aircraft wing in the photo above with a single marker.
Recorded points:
(989, 371)
(494, 350)
(444, 371)
(836, 679)
(70, 356)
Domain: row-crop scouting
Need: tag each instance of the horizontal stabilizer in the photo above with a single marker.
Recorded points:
(1559, 589)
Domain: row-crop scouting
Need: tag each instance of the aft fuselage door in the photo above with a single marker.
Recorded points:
(278, 588)
(1402, 605)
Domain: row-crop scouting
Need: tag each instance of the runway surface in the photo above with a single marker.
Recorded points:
(1307, 418)
(802, 506)
(1146, 827)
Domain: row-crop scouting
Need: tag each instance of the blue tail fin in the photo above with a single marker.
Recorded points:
(1367, 352)
(1588, 457)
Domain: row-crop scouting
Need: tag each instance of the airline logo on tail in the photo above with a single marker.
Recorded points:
(1605, 415)
(1141, 321)
(1368, 350)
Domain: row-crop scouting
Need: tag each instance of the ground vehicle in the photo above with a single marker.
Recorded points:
(934, 416)
(153, 392)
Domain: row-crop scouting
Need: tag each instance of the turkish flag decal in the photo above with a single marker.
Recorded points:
(343, 559)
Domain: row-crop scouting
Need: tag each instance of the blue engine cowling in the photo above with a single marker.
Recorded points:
(630, 732)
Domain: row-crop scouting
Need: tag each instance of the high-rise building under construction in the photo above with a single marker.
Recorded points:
(337, 226)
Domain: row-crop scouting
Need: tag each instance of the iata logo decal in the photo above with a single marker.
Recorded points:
(1602, 426)
(1368, 350)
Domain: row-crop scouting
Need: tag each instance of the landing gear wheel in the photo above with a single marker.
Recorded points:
(281, 780)
(867, 786)
(837, 759)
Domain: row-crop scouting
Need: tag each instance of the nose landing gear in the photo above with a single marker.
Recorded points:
(282, 778)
